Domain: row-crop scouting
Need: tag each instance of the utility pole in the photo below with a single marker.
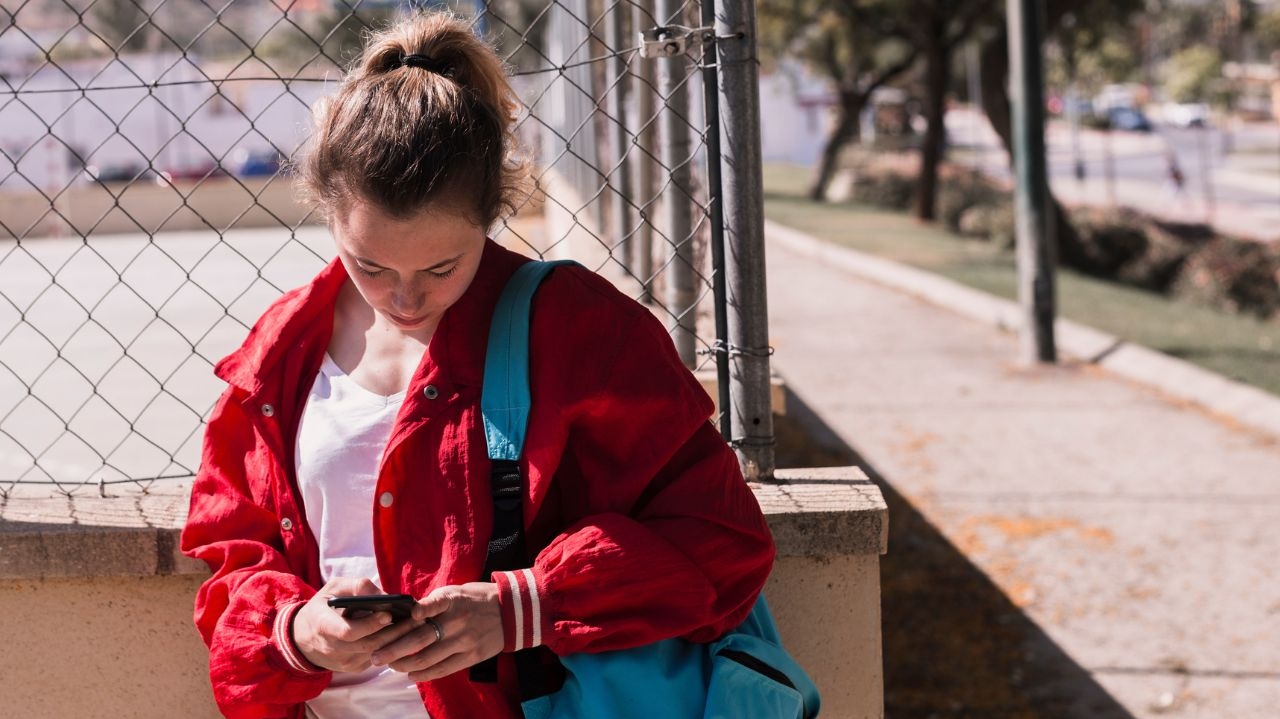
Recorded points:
(1035, 246)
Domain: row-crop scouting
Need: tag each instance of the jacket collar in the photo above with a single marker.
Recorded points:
(303, 317)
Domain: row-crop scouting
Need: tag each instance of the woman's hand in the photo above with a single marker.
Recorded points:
(330, 640)
(469, 620)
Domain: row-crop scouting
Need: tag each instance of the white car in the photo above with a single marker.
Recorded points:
(1187, 114)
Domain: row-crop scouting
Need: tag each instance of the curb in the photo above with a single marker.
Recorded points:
(1235, 401)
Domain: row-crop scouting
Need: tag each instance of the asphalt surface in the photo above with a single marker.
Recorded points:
(1231, 173)
(1064, 542)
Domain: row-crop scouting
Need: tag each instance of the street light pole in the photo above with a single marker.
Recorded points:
(1035, 246)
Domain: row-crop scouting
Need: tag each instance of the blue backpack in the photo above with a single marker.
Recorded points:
(746, 673)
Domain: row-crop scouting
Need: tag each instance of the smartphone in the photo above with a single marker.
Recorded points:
(400, 606)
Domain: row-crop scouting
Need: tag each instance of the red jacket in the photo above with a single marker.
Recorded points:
(643, 525)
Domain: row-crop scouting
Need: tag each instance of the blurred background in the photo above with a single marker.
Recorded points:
(1163, 153)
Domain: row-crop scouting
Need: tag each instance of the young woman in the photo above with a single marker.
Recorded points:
(347, 455)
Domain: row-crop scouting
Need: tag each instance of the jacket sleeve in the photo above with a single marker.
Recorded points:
(243, 612)
(674, 544)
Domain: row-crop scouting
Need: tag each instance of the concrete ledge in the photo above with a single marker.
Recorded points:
(67, 552)
(46, 535)
(1239, 402)
(824, 512)
(812, 512)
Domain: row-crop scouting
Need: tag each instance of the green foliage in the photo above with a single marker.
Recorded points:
(845, 40)
(1097, 43)
(1267, 32)
(123, 24)
(1195, 75)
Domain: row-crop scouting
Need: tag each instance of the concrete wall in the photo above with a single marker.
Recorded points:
(106, 630)
(102, 647)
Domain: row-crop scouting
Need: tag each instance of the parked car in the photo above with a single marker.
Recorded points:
(123, 172)
(1187, 114)
(256, 163)
(203, 171)
(1128, 119)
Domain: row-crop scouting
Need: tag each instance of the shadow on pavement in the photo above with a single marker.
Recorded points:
(954, 645)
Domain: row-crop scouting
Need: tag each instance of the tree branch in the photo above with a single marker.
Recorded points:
(968, 22)
(891, 72)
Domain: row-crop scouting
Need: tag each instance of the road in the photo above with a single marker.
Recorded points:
(1242, 164)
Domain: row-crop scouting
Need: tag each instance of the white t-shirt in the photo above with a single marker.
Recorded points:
(341, 438)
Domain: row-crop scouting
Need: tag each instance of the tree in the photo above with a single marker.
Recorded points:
(1267, 32)
(1194, 74)
(857, 44)
(1093, 54)
(995, 93)
(863, 44)
(124, 24)
(939, 28)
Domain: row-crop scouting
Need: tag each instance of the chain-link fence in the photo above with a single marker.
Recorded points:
(147, 215)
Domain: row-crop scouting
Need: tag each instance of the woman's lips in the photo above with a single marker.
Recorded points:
(406, 322)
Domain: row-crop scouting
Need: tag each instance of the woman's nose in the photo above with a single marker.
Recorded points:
(407, 300)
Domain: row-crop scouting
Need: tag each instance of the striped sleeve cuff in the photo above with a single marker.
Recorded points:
(524, 620)
(282, 636)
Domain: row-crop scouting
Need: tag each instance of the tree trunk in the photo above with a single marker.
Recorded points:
(848, 129)
(996, 104)
(937, 75)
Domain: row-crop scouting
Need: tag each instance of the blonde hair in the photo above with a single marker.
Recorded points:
(437, 128)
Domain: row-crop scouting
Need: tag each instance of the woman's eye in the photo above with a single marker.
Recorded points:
(446, 274)
(367, 272)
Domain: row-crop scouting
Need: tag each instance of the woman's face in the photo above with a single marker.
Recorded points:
(408, 270)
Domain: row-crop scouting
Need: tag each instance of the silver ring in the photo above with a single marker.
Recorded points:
(439, 631)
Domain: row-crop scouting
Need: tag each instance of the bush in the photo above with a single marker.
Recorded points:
(884, 187)
(1126, 246)
(1106, 242)
(961, 190)
(1168, 247)
(992, 222)
(1235, 275)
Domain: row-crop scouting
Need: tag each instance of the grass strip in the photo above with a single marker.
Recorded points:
(1236, 346)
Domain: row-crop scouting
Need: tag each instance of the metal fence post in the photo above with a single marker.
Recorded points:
(619, 178)
(677, 196)
(645, 169)
(749, 351)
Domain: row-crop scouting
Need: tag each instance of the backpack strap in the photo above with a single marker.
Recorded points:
(504, 406)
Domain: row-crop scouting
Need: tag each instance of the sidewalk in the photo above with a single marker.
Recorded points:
(1135, 532)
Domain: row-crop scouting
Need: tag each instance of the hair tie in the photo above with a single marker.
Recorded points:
(424, 62)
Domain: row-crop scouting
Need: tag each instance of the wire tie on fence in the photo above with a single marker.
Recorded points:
(673, 40)
(717, 347)
(722, 347)
(102, 486)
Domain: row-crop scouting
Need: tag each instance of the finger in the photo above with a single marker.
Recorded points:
(354, 629)
(412, 644)
(386, 635)
(349, 587)
(439, 601)
(451, 664)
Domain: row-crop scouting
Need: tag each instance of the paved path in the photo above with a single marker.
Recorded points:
(1138, 533)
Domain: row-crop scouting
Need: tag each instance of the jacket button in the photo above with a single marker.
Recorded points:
(286, 524)
(386, 499)
(268, 410)
(430, 391)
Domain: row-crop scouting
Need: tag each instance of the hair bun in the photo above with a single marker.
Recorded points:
(426, 62)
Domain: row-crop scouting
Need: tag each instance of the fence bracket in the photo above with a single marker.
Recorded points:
(673, 40)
